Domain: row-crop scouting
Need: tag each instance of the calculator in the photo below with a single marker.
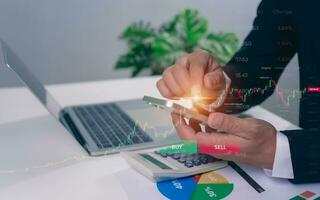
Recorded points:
(165, 166)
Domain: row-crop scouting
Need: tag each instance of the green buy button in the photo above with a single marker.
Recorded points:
(188, 147)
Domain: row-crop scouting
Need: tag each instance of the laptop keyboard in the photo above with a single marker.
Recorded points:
(109, 126)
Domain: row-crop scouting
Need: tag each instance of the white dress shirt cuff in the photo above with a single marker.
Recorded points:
(282, 165)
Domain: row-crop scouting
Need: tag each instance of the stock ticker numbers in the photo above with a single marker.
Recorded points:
(241, 75)
(285, 28)
(241, 59)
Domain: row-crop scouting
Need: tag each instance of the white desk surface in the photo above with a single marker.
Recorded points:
(41, 160)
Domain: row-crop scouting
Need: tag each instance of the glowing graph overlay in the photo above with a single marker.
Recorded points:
(285, 97)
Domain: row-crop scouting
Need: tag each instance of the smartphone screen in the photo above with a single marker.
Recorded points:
(170, 106)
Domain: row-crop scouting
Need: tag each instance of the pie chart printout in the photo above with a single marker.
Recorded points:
(209, 185)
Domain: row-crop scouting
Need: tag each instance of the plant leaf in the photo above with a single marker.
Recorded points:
(191, 27)
(221, 45)
(167, 48)
(169, 27)
(137, 32)
(166, 43)
(138, 58)
(136, 71)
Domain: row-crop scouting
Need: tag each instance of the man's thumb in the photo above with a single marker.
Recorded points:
(226, 123)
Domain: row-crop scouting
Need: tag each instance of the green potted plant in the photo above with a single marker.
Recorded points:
(156, 49)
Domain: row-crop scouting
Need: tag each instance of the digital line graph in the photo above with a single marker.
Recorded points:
(286, 98)
(144, 127)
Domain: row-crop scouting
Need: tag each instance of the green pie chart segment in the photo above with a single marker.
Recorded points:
(211, 191)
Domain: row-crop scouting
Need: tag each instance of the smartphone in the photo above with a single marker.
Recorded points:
(176, 108)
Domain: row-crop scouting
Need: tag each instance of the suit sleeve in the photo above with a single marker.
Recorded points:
(257, 66)
(305, 155)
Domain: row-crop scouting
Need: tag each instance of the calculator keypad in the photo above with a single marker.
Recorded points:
(189, 160)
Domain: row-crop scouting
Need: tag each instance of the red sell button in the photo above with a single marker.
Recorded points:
(313, 89)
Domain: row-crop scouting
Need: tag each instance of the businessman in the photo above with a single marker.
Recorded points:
(282, 28)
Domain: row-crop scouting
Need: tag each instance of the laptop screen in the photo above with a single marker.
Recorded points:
(11, 60)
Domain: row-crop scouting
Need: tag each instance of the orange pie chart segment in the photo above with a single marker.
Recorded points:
(212, 178)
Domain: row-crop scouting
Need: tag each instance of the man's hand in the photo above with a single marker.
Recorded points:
(199, 72)
(196, 73)
(256, 138)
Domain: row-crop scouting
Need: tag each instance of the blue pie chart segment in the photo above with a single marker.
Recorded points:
(178, 189)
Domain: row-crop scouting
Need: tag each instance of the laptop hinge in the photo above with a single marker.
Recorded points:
(69, 124)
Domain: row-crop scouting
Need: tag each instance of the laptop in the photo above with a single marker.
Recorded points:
(101, 128)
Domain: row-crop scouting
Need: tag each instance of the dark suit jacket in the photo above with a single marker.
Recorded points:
(282, 29)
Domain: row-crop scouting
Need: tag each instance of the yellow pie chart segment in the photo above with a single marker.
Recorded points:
(212, 178)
